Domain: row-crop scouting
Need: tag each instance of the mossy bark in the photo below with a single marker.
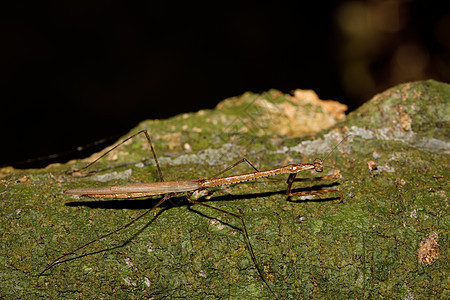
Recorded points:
(363, 247)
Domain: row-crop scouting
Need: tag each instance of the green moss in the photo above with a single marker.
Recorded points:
(363, 247)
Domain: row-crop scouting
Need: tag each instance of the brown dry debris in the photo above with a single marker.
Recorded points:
(429, 249)
(23, 179)
(372, 165)
(333, 107)
(305, 114)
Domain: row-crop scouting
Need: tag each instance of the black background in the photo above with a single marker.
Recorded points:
(76, 72)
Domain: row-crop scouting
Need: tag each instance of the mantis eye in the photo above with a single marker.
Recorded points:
(318, 165)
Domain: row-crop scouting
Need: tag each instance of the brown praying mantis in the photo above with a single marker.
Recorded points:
(172, 188)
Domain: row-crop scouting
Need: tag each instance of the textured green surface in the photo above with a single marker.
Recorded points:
(364, 247)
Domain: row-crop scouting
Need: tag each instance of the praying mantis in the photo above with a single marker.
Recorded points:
(169, 189)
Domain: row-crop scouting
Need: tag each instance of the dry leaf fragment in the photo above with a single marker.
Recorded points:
(429, 250)
(372, 165)
(23, 179)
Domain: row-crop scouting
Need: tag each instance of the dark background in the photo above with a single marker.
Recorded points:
(75, 72)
